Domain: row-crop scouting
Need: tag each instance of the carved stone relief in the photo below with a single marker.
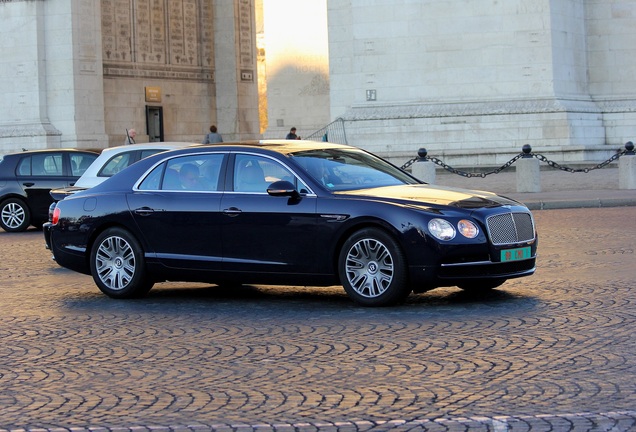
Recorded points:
(158, 38)
(245, 34)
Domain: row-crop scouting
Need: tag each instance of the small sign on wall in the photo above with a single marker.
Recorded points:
(153, 94)
(247, 75)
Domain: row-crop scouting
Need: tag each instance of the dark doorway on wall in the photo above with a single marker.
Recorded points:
(154, 123)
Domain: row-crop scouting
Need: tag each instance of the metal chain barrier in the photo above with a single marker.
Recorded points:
(573, 170)
(526, 153)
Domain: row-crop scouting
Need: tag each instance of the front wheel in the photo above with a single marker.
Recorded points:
(14, 215)
(117, 265)
(373, 269)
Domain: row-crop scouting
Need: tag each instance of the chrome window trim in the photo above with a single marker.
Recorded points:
(141, 178)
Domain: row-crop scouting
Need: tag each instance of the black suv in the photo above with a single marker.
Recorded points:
(26, 179)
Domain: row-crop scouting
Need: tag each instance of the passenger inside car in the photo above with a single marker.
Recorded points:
(189, 177)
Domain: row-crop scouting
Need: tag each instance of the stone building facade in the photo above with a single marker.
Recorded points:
(79, 73)
(470, 81)
(473, 81)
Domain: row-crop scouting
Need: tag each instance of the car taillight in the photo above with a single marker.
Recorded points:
(56, 216)
(51, 208)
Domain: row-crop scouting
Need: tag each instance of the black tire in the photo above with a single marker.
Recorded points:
(15, 215)
(481, 286)
(373, 269)
(117, 265)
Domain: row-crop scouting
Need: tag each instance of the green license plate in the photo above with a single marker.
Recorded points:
(516, 254)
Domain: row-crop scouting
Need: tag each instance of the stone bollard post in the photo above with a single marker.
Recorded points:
(627, 171)
(424, 170)
(528, 172)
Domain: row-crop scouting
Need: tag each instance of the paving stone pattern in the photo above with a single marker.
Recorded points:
(553, 352)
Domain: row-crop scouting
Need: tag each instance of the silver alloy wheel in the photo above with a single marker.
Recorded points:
(369, 268)
(115, 263)
(13, 215)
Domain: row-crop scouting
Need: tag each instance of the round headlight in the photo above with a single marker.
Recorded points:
(441, 229)
(467, 228)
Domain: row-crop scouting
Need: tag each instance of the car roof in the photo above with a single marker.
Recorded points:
(168, 145)
(52, 150)
(281, 145)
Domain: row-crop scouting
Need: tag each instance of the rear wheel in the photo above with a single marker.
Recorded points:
(14, 215)
(117, 265)
(373, 269)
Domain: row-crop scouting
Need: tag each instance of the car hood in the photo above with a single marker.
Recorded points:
(434, 196)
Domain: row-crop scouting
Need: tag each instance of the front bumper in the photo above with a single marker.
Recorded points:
(488, 270)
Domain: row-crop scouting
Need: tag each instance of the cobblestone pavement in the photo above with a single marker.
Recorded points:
(553, 352)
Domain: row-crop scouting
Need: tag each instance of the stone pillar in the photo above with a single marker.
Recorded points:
(75, 81)
(236, 70)
(425, 171)
(627, 171)
(528, 175)
(51, 75)
(24, 118)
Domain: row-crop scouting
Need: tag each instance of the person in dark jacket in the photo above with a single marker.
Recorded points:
(292, 134)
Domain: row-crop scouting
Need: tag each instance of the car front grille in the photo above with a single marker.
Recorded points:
(510, 228)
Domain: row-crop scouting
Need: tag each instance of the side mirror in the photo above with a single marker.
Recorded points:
(283, 188)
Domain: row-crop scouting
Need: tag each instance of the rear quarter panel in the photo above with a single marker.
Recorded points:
(82, 218)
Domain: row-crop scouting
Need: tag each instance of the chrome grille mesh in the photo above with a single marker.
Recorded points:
(508, 228)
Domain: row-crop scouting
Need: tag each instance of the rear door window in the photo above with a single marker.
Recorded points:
(187, 173)
(42, 165)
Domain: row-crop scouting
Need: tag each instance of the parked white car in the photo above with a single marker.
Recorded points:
(114, 159)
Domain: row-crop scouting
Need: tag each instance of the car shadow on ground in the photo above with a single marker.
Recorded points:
(201, 298)
(205, 296)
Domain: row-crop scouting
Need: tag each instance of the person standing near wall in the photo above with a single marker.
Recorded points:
(213, 137)
(130, 136)
(292, 134)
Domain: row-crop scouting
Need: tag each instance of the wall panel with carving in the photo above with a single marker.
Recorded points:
(171, 39)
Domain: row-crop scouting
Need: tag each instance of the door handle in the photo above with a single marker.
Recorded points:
(28, 184)
(232, 211)
(144, 211)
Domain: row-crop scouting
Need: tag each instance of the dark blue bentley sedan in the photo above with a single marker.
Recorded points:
(289, 213)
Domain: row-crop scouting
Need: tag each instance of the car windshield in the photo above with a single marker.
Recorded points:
(345, 169)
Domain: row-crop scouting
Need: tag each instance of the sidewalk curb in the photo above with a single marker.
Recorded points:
(591, 203)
